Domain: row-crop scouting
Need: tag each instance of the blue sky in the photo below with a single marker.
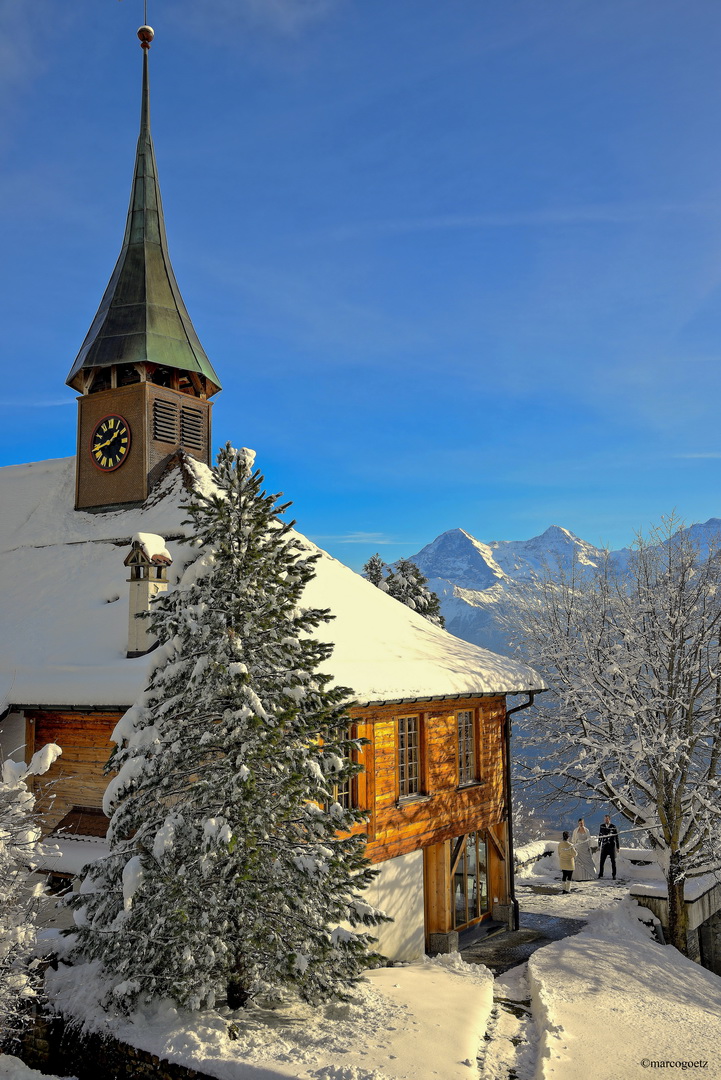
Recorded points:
(457, 264)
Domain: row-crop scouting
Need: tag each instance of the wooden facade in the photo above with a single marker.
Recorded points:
(443, 810)
(435, 818)
(77, 777)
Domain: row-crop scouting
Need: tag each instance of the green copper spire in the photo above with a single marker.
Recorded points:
(142, 318)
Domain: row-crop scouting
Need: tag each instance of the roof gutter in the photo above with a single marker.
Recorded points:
(509, 805)
(441, 697)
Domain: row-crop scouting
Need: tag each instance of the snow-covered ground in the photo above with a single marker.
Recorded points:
(607, 1003)
(603, 1004)
(11, 1068)
(421, 1021)
(611, 1001)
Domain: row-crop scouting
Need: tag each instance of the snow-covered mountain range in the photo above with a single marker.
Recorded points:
(473, 579)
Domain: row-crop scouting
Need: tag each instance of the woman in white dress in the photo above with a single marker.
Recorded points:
(585, 869)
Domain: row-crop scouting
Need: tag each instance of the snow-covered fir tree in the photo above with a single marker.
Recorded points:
(19, 898)
(375, 571)
(231, 867)
(406, 583)
(633, 658)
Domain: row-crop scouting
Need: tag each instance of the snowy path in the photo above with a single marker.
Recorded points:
(544, 896)
(510, 1048)
(511, 1044)
(608, 1003)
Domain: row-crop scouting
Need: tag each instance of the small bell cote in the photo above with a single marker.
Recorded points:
(148, 562)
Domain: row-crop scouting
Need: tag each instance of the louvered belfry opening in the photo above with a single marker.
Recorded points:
(165, 421)
(191, 428)
(179, 424)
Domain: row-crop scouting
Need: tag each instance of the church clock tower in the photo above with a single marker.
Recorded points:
(143, 376)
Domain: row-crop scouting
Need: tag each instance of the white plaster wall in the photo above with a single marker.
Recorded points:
(398, 890)
(142, 592)
(12, 737)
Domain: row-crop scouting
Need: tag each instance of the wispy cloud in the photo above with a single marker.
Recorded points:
(361, 538)
(572, 215)
(25, 30)
(17, 56)
(309, 306)
(36, 404)
(709, 454)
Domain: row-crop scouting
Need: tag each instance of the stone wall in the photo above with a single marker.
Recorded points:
(698, 909)
(693, 949)
(710, 943)
(703, 939)
(49, 1044)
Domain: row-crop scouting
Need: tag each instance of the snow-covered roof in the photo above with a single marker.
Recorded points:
(69, 854)
(64, 595)
(153, 548)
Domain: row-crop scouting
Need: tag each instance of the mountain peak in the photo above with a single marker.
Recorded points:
(475, 579)
(457, 556)
(558, 530)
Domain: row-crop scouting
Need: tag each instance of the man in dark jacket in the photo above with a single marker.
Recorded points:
(608, 837)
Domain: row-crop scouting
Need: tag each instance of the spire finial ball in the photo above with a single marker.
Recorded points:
(146, 35)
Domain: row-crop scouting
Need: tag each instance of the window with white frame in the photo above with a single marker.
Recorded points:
(467, 773)
(342, 794)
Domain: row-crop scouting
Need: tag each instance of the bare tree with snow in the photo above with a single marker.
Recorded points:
(528, 823)
(632, 655)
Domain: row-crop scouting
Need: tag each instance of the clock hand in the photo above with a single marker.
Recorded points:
(108, 441)
(102, 445)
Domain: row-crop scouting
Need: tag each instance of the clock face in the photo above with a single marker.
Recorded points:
(110, 443)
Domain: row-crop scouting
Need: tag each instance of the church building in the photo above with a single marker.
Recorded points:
(87, 542)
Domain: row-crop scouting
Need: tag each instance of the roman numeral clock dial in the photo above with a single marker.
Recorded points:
(110, 443)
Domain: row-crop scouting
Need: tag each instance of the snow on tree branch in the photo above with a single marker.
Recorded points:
(19, 843)
(232, 859)
(633, 657)
(405, 582)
